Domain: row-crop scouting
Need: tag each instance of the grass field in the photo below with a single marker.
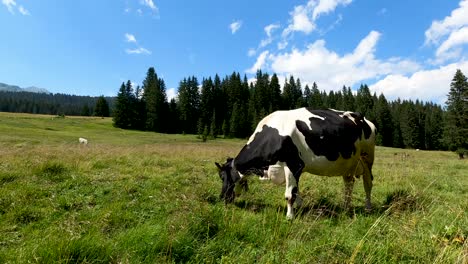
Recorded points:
(142, 197)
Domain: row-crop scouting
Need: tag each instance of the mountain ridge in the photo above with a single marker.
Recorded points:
(16, 88)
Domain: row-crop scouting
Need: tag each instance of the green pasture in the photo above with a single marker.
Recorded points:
(143, 197)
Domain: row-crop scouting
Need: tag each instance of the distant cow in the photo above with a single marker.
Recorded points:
(83, 141)
(321, 142)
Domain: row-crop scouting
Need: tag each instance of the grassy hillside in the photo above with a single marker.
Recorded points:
(141, 197)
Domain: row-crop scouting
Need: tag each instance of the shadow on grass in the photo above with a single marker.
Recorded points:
(255, 206)
(394, 202)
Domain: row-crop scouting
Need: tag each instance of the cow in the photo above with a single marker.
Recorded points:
(286, 143)
(83, 141)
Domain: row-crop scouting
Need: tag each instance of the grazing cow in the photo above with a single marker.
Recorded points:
(287, 143)
(83, 141)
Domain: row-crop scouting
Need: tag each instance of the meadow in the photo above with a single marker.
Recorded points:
(143, 197)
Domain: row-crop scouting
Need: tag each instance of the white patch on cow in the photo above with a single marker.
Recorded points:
(348, 115)
(279, 120)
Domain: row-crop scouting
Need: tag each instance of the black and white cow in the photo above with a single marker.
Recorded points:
(321, 142)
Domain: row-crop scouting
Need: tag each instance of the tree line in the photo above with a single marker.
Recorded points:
(55, 104)
(232, 107)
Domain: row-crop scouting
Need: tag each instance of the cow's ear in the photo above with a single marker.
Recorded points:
(219, 166)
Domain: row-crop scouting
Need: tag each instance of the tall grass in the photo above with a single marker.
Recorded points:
(141, 197)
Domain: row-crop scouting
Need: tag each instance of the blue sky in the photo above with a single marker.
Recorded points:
(406, 49)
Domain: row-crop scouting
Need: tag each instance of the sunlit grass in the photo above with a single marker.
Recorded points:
(142, 197)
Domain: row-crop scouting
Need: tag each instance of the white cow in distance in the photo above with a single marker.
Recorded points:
(83, 141)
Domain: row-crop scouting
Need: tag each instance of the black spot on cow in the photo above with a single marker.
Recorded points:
(267, 148)
(332, 136)
(359, 119)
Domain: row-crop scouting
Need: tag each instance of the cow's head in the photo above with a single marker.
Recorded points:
(229, 176)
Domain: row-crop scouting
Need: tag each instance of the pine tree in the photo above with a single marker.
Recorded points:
(384, 122)
(275, 93)
(84, 111)
(189, 105)
(102, 107)
(140, 109)
(316, 101)
(263, 94)
(396, 109)
(339, 101)
(219, 106)
(307, 96)
(456, 132)
(173, 118)
(433, 129)
(364, 102)
(409, 125)
(122, 117)
(331, 102)
(214, 131)
(348, 99)
(132, 108)
(298, 98)
(206, 104)
(155, 100)
(235, 127)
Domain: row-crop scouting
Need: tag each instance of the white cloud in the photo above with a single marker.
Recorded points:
(382, 11)
(456, 38)
(426, 85)
(330, 70)
(130, 38)
(259, 64)
(282, 45)
(300, 20)
(171, 93)
(235, 26)
(139, 50)
(269, 32)
(303, 17)
(449, 35)
(327, 6)
(270, 28)
(440, 28)
(150, 4)
(23, 11)
(251, 52)
(10, 4)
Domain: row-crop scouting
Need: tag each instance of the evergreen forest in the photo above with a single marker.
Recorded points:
(232, 106)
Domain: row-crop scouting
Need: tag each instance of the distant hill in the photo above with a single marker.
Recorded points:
(21, 101)
(14, 88)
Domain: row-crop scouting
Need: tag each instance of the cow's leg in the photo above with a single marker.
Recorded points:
(292, 188)
(348, 190)
(265, 176)
(367, 180)
(291, 191)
